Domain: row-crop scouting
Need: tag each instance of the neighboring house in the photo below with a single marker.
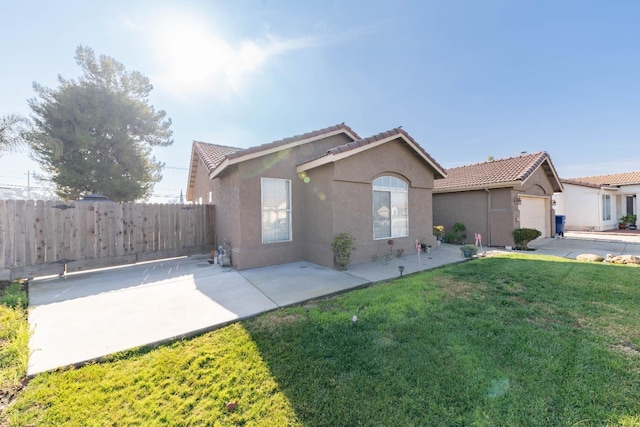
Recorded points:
(498, 196)
(285, 201)
(596, 203)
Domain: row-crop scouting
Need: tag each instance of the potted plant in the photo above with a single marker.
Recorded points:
(438, 231)
(627, 220)
(342, 246)
(622, 222)
(469, 250)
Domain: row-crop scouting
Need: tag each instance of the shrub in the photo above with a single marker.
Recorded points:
(14, 296)
(457, 234)
(522, 236)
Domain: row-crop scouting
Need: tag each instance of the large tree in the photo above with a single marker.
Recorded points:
(95, 135)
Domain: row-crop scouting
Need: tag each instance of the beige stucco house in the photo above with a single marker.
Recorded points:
(498, 196)
(286, 200)
(596, 203)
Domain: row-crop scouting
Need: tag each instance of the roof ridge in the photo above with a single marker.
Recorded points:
(216, 145)
(504, 159)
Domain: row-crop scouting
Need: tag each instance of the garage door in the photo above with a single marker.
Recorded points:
(535, 214)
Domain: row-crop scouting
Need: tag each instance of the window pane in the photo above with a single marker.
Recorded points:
(381, 214)
(276, 211)
(399, 214)
(606, 207)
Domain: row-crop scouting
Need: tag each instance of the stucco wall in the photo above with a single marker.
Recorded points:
(466, 207)
(318, 212)
(202, 184)
(226, 192)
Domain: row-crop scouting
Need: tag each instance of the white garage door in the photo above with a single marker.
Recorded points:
(535, 214)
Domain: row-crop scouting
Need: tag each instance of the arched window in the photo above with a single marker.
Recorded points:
(390, 207)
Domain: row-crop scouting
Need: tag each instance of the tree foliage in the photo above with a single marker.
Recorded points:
(12, 127)
(95, 135)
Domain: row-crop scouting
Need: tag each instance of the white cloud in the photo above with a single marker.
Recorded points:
(194, 60)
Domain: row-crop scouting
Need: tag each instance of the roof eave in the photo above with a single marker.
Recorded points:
(220, 168)
(193, 170)
(461, 188)
(255, 154)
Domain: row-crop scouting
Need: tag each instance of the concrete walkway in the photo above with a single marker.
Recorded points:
(82, 317)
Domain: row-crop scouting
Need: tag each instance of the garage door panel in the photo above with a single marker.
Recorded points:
(534, 214)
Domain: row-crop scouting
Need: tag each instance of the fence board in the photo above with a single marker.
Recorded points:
(3, 234)
(38, 237)
(40, 245)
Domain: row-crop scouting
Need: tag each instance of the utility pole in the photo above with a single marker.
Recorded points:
(28, 184)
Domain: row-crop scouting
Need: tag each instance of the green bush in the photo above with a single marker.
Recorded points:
(457, 234)
(522, 236)
(14, 296)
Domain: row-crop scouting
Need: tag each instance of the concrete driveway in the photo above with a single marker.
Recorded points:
(85, 316)
(575, 243)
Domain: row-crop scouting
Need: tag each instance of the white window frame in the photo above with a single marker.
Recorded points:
(396, 188)
(276, 212)
(606, 207)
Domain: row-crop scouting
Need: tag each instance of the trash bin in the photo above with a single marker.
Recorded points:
(560, 220)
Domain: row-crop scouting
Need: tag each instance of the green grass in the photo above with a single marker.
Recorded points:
(14, 340)
(504, 341)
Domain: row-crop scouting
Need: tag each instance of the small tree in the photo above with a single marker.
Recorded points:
(522, 236)
(95, 135)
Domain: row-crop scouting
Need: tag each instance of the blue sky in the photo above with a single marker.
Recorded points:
(467, 79)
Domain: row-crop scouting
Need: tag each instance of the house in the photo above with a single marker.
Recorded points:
(498, 196)
(596, 203)
(286, 200)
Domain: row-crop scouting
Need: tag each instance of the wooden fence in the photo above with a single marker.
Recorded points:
(50, 237)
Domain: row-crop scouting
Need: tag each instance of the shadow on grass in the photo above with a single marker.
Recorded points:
(499, 341)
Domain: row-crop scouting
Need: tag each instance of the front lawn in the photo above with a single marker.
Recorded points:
(517, 340)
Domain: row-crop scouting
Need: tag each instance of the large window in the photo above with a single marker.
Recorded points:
(606, 207)
(390, 208)
(276, 210)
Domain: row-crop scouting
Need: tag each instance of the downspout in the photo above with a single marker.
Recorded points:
(488, 216)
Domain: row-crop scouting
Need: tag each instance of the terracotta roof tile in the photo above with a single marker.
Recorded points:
(626, 178)
(491, 173)
(212, 154)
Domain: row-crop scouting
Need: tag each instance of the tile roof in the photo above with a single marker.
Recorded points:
(212, 154)
(496, 173)
(616, 179)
